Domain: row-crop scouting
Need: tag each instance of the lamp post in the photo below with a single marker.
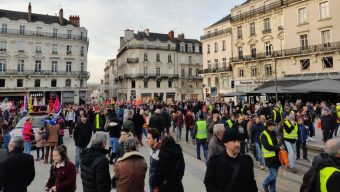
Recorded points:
(273, 55)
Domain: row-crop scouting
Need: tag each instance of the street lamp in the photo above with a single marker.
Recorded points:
(274, 55)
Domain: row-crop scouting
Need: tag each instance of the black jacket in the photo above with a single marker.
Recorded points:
(271, 162)
(95, 172)
(220, 170)
(138, 121)
(82, 135)
(328, 122)
(170, 167)
(310, 179)
(114, 129)
(156, 122)
(166, 119)
(17, 172)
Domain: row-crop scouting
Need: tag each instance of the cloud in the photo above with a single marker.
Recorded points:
(106, 20)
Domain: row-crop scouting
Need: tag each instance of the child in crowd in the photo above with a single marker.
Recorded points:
(40, 144)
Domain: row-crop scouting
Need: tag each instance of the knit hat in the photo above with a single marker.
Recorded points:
(215, 111)
(231, 134)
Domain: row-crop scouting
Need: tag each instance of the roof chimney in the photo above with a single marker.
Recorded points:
(29, 18)
(171, 35)
(75, 20)
(61, 17)
(181, 37)
(146, 31)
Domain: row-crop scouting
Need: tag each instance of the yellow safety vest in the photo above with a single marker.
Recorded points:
(97, 121)
(265, 152)
(230, 123)
(325, 174)
(338, 113)
(201, 129)
(293, 134)
(274, 112)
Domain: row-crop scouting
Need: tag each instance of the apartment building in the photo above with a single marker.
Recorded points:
(110, 88)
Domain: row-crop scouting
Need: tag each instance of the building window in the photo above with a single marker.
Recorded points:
(302, 15)
(208, 49)
(252, 28)
(21, 46)
(145, 57)
(183, 72)
(2, 82)
(209, 82)
(197, 48)
(54, 49)
(54, 66)
(240, 52)
(133, 84)
(209, 64)
(326, 38)
(324, 10)
(81, 82)
(266, 26)
(82, 36)
(37, 68)
(190, 72)
(158, 57)
(38, 48)
(223, 45)
(217, 83)
(82, 67)
(69, 34)
(170, 84)
(224, 62)
(145, 71)
(158, 84)
(2, 65)
(240, 72)
(53, 83)
(304, 42)
(268, 69)
(68, 83)
(22, 30)
(37, 83)
(82, 51)
(3, 45)
(197, 71)
(190, 59)
(55, 33)
(327, 62)
(20, 82)
(20, 65)
(253, 71)
(305, 64)
(4, 28)
(216, 47)
(190, 49)
(253, 51)
(68, 66)
(145, 84)
(68, 49)
(268, 48)
(39, 31)
(169, 58)
(216, 63)
(158, 71)
(239, 32)
(182, 48)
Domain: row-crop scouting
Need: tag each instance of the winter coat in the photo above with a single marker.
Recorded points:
(271, 162)
(170, 168)
(166, 119)
(130, 171)
(215, 146)
(310, 179)
(27, 131)
(256, 131)
(156, 122)
(53, 135)
(242, 129)
(154, 157)
(95, 172)
(66, 179)
(82, 135)
(128, 124)
(114, 129)
(138, 121)
(189, 121)
(17, 172)
(328, 122)
(5, 140)
(303, 133)
(220, 170)
(39, 142)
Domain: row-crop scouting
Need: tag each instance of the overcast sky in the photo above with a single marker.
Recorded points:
(106, 20)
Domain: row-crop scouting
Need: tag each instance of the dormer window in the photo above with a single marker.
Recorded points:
(182, 48)
(190, 49)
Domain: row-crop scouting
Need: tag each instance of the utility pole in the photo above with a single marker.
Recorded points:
(275, 68)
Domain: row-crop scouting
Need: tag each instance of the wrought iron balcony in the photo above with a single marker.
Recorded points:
(43, 34)
(44, 72)
(148, 76)
(215, 70)
(132, 60)
(144, 46)
(265, 31)
(216, 33)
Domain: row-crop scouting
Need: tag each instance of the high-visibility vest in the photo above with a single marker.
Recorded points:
(338, 113)
(265, 152)
(230, 123)
(293, 134)
(97, 121)
(201, 129)
(274, 112)
(325, 174)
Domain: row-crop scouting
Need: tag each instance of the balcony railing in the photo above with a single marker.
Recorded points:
(327, 47)
(149, 75)
(192, 77)
(43, 34)
(280, 28)
(44, 72)
(215, 70)
(263, 9)
(216, 33)
(265, 31)
(132, 60)
(144, 46)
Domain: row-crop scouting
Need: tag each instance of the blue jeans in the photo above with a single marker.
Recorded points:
(205, 150)
(145, 132)
(78, 151)
(114, 144)
(291, 148)
(259, 153)
(270, 181)
(27, 147)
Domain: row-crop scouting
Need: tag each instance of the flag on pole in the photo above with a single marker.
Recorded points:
(30, 105)
(35, 102)
(25, 103)
(56, 104)
(51, 105)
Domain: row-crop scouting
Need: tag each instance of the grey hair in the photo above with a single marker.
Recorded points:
(130, 144)
(332, 147)
(218, 128)
(99, 138)
(17, 142)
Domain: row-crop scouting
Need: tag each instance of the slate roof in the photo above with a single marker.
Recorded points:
(161, 37)
(47, 19)
(224, 19)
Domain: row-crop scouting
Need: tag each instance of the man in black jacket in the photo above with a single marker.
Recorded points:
(156, 121)
(95, 172)
(328, 124)
(230, 170)
(17, 170)
(82, 136)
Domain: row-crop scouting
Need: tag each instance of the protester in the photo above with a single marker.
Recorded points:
(28, 135)
(70, 120)
(153, 142)
(189, 124)
(216, 144)
(62, 174)
(290, 135)
(156, 121)
(215, 119)
(328, 124)
(100, 120)
(40, 144)
(138, 121)
(302, 140)
(166, 121)
(170, 167)
(6, 137)
(124, 134)
(17, 170)
(256, 131)
(52, 140)
(128, 123)
(95, 173)
(200, 135)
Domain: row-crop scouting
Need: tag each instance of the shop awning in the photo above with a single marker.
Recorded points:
(233, 94)
(320, 86)
(272, 90)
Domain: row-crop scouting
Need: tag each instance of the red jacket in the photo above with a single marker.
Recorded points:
(66, 179)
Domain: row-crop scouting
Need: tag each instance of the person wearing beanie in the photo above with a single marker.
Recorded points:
(214, 119)
(230, 170)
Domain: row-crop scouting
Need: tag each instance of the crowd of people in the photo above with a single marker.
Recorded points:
(227, 133)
